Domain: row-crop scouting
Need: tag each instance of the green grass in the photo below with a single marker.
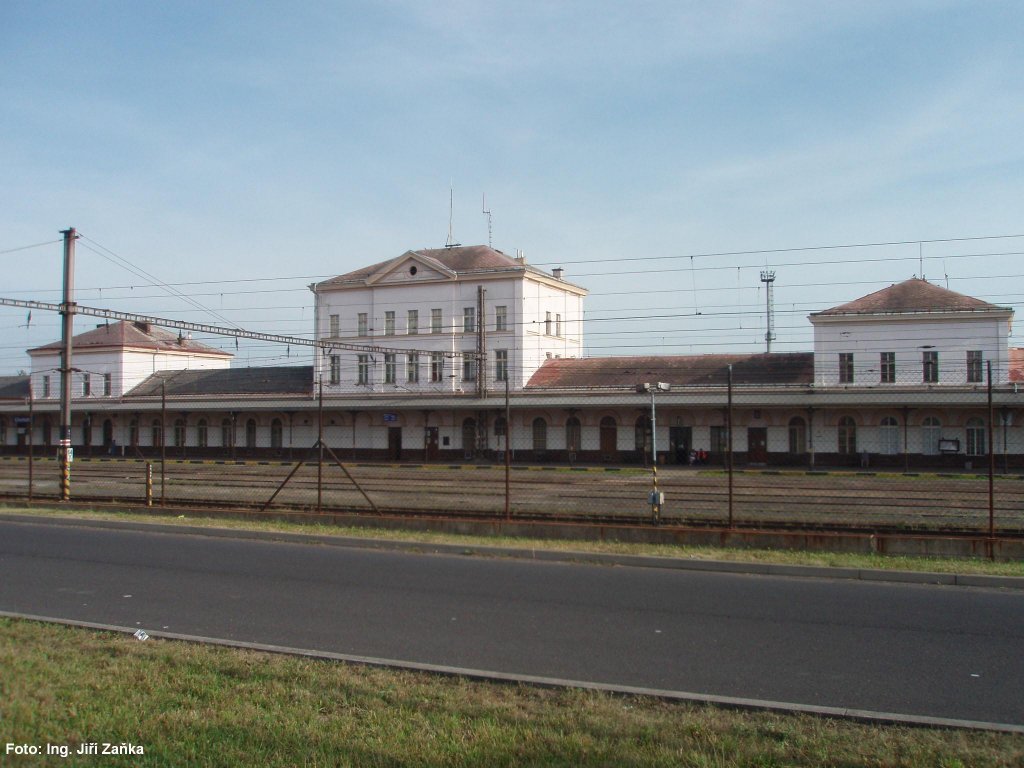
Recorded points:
(198, 705)
(786, 557)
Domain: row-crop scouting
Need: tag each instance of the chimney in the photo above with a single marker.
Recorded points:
(557, 273)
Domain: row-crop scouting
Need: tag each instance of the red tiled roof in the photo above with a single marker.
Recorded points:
(135, 335)
(914, 295)
(678, 370)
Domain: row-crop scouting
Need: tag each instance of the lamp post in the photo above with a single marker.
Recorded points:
(657, 498)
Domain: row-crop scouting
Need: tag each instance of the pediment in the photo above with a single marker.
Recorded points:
(411, 267)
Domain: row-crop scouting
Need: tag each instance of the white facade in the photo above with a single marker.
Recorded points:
(106, 371)
(430, 315)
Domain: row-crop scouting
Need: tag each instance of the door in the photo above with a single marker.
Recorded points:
(757, 445)
(679, 440)
(430, 444)
(394, 443)
(609, 439)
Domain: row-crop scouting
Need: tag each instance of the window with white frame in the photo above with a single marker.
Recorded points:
(435, 321)
(412, 367)
(46, 386)
(436, 366)
(846, 367)
(501, 365)
(501, 318)
(974, 362)
(797, 435)
(547, 323)
(389, 323)
(86, 385)
(412, 322)
(469, 319)
(362, 324)
(390, 368)
(930, 366)
(558, 325)
(846, 435)
(887, 366)
(363, 369)
(107, 384)
(335, 325)
(469, 368)
(335, 369)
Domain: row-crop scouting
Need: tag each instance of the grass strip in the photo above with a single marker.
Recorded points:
(188, 704)
(778, 556)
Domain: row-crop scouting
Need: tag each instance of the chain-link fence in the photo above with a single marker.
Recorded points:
(734, 455)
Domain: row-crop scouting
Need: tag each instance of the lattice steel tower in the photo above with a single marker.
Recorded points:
(768, 278)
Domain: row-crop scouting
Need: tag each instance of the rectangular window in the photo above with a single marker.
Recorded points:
(390, 366)
(362, 326)
(412, 367)
(435, 321)
(930, 366)
(86, 385)
(469, 369)
(363, 369)
(846, 367)
(335, 369)
(974, 375)
(46, 386)
(107, 385)
(888, 367)
(436, 366)
(389, 323)
(501, 365)
(501, 318)
(469, 319)
(412, 323)
(547, 323)
(558, 325)
(335, 325)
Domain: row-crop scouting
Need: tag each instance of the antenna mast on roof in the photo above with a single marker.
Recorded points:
(450, 242)
(487, 213)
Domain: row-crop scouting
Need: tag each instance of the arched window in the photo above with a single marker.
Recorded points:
(847, 435)
(573, 432)
(202, 433)
(179, 433)
(540, 434)
(797, 435)
(889, 435)
(156, 432)
(227, 434)
(976, 443)
(250, 433)
(276, 434)
(931, 433)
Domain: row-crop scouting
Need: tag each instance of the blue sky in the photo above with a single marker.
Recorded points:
(283, 143)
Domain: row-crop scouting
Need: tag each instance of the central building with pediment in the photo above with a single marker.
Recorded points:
(463, 319)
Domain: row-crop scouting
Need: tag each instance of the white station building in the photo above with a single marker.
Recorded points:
(426, 343)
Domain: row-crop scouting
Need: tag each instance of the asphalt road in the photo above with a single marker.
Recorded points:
(936, 651)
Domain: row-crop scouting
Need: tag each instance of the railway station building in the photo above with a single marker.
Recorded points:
(420, 350)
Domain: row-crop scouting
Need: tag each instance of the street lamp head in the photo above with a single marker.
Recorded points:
(647, 387)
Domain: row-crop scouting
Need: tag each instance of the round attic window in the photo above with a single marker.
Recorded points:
(412, 270)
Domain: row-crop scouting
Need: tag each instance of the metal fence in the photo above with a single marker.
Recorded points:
(710, 456)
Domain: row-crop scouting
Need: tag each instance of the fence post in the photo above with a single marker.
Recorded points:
(991, 465)
(728, 440)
